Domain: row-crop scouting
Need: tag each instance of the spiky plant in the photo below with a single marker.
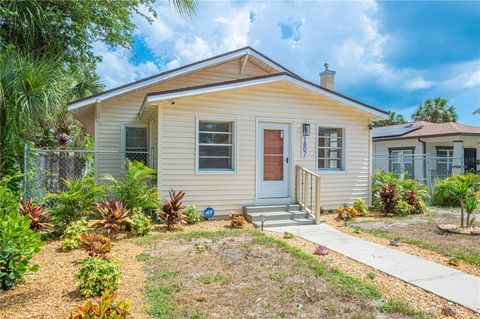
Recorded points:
(172, 210)
(113, 216)
(388, 196)
(96, 245)
(38, 216)
(237, 221)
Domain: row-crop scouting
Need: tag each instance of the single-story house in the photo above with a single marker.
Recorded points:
(232, 130)
(425, 149)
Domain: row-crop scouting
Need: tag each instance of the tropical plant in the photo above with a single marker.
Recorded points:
(403, 208)
(393, 119)
(351, 212)
(460, 191)
(18, 244)
(106, 308)
(77, 201)
(321, 250)
(388, 196)
(237, 221)
(39, 218)
(172, 210)
(442, 196)
(191, 214)
(97, 275)
(417, 203)
(141, 224)
(9, 198)
(135, 189)
(287, 235)
(113, 217)
(72, 236)
(96, 245)
(361, 207)
(436, 111)
(472, 202)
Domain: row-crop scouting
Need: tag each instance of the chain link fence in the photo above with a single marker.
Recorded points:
(421, 167)
(47, 170)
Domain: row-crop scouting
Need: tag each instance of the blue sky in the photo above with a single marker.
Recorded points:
(392, 55)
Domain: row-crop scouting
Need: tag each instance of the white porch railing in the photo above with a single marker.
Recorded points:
(307, 192)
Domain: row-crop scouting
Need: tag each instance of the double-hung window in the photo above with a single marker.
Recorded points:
(135, 143)
(401, 161)
(331, 148)
(444, 161)
(216, 148)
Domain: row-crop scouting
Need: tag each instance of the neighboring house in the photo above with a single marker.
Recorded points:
(452, 148)
(230, 130)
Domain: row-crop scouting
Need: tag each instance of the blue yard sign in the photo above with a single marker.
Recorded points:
(208, 212)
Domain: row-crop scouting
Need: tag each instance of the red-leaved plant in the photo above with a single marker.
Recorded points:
(113, 216)
(172, 210)
(107, 307)
(321, 250)
(389, 196)
(96, 245)
(38, 216)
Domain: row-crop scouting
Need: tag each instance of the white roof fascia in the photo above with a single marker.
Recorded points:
(283, 77)
(182, 71)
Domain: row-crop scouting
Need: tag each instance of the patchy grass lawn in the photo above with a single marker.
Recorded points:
(421, 231)
(246, 274)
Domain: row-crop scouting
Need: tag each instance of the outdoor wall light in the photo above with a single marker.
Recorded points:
(306, 129)
(345, 216)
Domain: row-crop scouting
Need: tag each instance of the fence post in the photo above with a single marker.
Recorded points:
(25, 168)
(429, 176)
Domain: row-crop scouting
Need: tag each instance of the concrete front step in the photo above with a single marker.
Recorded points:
(285, 222)
(277, 215)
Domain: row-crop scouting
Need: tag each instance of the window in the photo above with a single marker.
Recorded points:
(401, 161)
(215, 146)
(330, 148)
(444, 161)
(136, 144)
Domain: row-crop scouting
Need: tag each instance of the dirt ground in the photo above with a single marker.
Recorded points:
(248, 279)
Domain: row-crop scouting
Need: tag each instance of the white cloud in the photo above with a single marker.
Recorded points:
(418, 83)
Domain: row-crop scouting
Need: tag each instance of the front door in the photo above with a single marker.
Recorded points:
(273, 158)
(470, 158)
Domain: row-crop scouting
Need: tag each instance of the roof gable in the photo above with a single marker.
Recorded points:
(243, 53)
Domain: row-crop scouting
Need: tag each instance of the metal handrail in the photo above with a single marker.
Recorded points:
(304, 192)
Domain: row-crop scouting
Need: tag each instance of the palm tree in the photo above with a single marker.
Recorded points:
(436, 111)
(461, 190)
(393, 119)
(31, 90)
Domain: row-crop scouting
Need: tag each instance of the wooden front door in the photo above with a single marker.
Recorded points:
(273, 159)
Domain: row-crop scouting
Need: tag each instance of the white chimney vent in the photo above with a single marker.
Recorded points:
(327, 78)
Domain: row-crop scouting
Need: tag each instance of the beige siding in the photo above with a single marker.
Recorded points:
(123, 110)
(229, 192)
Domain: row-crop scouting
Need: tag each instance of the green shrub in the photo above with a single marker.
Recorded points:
(442, 195)
(136, 188)
(97, 275)
(77, 201)
(71, 238)
(361, 207)
(142, 224)
(191, 215)
(18, 244)
(402, 208)
(9, 199)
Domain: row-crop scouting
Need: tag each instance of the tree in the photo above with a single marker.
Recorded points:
(435, 111)
(68, 29)
(393, 119)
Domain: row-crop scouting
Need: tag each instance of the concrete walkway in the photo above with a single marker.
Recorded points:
(443, 281)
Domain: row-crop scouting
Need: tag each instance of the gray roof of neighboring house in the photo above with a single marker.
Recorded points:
(423, 129)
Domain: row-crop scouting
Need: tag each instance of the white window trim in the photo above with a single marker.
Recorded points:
(123, 144)
(328, 171)
(234, 122)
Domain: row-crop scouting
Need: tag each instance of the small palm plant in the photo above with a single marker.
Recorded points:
(172, 210)
(460, 191)
(113, 217)
(472, 202)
